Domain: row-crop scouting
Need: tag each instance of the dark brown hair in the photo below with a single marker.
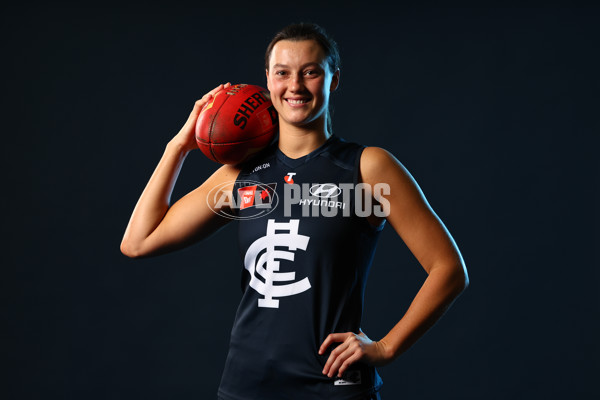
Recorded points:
(309, 31)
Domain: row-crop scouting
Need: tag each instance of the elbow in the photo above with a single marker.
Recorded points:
(453, 278)
(129, 250)
(457, 279)
(462, 278)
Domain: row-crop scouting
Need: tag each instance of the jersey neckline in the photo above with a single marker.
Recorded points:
(296, 162)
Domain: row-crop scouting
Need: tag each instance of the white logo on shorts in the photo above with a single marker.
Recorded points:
(349, 378)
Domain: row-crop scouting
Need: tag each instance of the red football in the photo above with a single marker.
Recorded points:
(237, 123)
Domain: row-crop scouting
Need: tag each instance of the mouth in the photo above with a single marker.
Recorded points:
(297, 101)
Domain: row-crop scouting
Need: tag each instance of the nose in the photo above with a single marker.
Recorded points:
(296, 83)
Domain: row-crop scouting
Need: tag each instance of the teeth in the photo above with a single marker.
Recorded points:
(297, 101)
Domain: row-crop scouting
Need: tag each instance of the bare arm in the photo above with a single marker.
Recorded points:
(156, 227)
(425, 235)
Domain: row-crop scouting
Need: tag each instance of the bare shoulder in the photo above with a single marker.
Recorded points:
(226, 173)
(378, 165)
(220, 183)
(375, 156)
(224, 177)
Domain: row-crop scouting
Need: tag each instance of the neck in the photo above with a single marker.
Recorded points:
(296, 142)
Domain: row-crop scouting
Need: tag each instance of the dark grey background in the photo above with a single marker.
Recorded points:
(494, 109)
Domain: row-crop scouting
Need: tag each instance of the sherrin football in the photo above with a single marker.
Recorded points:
(237, 123)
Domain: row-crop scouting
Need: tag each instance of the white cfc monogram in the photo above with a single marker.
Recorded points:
(269, 253)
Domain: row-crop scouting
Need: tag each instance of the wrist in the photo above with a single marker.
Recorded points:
(387, 351)
(176, 147)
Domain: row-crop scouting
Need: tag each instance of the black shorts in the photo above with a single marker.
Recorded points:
(374, 396)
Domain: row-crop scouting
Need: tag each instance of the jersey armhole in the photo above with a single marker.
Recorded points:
(372, 228)
(357, 165)
(234, 210)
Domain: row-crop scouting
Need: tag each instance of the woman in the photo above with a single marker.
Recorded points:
(297, 331)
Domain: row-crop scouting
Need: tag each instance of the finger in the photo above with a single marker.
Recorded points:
(339, 360)
(350, 341)
(333, 356)
(208, 96)
(198, 105)
(220, 87)
(333, 338)
(215, 90)
(349, 361)
(205, 99)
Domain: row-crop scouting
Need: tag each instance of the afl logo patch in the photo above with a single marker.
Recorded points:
(325, 190)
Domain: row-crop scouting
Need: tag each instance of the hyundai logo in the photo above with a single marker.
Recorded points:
(325, 190)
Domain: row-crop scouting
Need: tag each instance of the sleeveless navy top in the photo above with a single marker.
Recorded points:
(306, 259)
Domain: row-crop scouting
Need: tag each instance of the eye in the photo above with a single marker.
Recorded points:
(280, 73)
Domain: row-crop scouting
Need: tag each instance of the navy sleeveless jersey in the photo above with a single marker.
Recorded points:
(306, 261)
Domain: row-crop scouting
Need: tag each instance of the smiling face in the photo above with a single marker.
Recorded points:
(300, 80)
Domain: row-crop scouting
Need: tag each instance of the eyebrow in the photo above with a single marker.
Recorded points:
(303, 66)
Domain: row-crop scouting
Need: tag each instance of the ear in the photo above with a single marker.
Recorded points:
(335, 80)
(268, 85)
